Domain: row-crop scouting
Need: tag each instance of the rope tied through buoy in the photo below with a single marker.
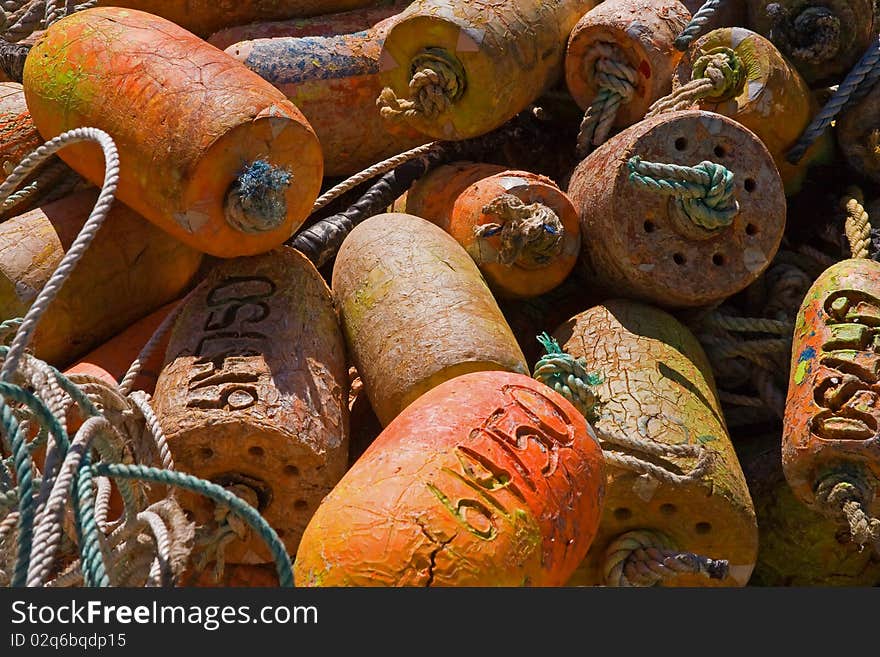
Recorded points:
(616, 80)
(716, 76)
(704, 192)
(844, 496)
(813, 36)
(567, 375)
(256, 200)
(646, 558)
(695, 27)
(531, 234)
(436, 83)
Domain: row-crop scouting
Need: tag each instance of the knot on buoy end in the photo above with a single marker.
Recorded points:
(437, 81)
(844, 497)
(531, 234)
(616, 81)
(567, 375)
(256, 200)
(723, 67)
(813, 36)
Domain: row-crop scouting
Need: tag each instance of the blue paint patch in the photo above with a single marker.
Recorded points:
(807, 354)
(291, 60)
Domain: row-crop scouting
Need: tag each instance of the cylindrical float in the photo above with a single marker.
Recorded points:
(416, 311)
(686, 235)
(227, 173)
(519, 227)
(830, 449)
(490, 479)
(253, 395)
(798, 546)
(330, 25)
(762, 91)
(654, 384)
(204, 17)
(456, 69)
(620, 59)
(822, 38)
(334, 81)
(130, 269)
(858, 133)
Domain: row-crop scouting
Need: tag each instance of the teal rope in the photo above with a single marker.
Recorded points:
(856, 83)
(568, 376)
(24, 475)
(91, 557)
(705, 191)
(698, 22)
(219, 495)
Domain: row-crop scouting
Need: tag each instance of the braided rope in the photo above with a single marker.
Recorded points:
(531, 234)
(843, 497)
(435, 84)
(616, 81)
(567, 375)
(857, 225)
(705, 191)
(747, 324)
(717, 75)
(646, 558)
(867, 69)
(698, 22)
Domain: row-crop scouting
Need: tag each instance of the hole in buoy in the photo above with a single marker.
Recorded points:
(719, 151)
(622, 513)
(681, 143)
(718, 259)
(206, 452)
(750, 185)
(256, 451)
(291, 471)
(649, 226)
(300, 505)
(751, 229)
(668, 509)
(678, 258)
(703, 528)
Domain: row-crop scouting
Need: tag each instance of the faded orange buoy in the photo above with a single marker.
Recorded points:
(619, 60)
(489, 479)
(456, 69)
(334, 81)
(519, 227)
(253, 393)
(830, 450)
(655, 400)
(18, 134)
(226, 173)
(416, 311)
(761, 90)
(687, 235)
(130, 269)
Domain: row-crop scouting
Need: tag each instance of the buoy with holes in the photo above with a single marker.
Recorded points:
(680, 210)
(253, 393)
(830, 446)
(619, 60)
(822, 38)
(456, 69)
(519, 227)
(740, 74)
(677, 509)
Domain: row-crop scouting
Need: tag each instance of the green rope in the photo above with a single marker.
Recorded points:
(705, 191)
(217, 493)
(91, 558)
(567, 375)
(24, 476)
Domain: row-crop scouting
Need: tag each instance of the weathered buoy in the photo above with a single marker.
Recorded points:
(456, 69)
(253, 393)
(619, 60)
(489, 479)
(416, 311)
(676, 500)
(519, 227)
(679, 210)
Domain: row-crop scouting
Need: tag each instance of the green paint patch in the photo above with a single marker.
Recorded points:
(706, 439)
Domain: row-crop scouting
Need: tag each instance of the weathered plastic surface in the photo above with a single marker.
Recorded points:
(857, 29)
(180, 152)
(798, 546)
(454, 196)
(254, 392)
(490, 479)
(637, 243)
(773, 101)
(416, 311)
(644, 32)
(511, 51)
(833, 406)
(858, 133)
(334, 81)
(18, 134)
(656, 382)
(130, 269)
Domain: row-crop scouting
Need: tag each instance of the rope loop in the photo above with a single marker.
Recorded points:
(616, 81)
(532, 235)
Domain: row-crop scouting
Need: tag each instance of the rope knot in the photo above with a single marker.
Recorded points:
(646, 557)
(256, 200)
(435, 84)
(568, 376)
(812, 36)
(704, 192)
(844, 496)
(723, 67)
(532, 234)
(616, 81)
